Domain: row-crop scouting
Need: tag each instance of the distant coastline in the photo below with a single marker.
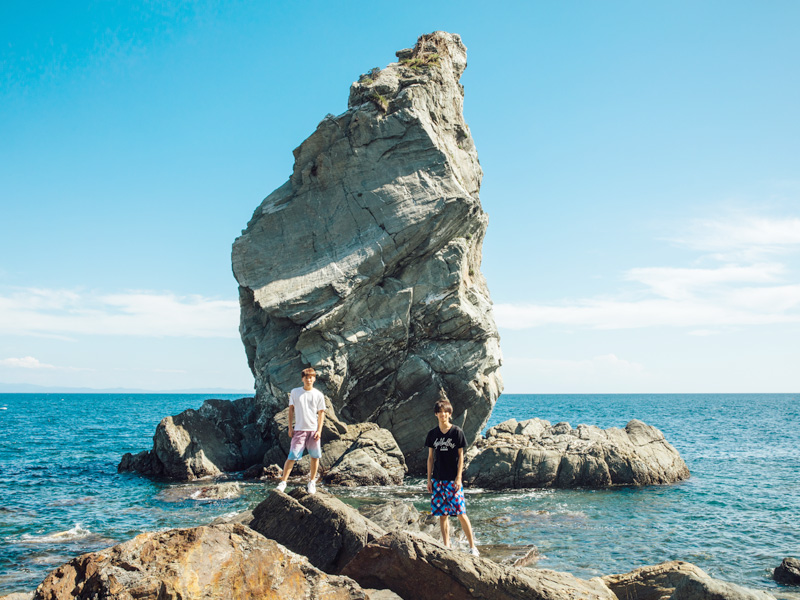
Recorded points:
(28, 388)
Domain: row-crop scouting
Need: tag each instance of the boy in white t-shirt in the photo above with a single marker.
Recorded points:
(307, 406)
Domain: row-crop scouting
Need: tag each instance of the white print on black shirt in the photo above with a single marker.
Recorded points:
(444, 444)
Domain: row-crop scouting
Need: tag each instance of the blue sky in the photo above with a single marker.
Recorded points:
(641, 173)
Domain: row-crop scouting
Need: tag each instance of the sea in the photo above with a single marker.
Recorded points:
(736, 518)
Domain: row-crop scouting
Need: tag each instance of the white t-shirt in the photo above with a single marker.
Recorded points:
(306, 404)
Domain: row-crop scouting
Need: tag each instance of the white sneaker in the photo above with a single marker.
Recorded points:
(474, 551)
(311, 487)
(281, 486)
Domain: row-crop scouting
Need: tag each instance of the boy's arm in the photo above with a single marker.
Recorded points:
(291, 420)
(430, 469)
(320, 421)
(457, 482)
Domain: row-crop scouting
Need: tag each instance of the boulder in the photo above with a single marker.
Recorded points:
(319, 526)
(365, 264)
(677, 580)
(788, 572)
(352, 455)
(416, 567)
(535, 453)
(222, 562)
(221, 436)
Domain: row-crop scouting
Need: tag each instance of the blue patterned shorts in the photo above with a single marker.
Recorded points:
(446, 501)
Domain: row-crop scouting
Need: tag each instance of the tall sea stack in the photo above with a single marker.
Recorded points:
(366, 263)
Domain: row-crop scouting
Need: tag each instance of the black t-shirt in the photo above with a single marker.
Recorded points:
(445, 451)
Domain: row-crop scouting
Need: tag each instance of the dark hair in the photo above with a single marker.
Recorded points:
(309, 371)
(442, 404)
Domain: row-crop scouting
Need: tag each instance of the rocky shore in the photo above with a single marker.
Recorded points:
(299, 545)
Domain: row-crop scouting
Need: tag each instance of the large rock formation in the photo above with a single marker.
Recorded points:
(535, 453)
(415, 566)
(224, 436)
(678, 580)
(321, 527)
(220, 436)
(366, 263)
(222, 562)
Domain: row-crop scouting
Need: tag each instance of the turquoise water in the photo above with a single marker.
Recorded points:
(737, 517)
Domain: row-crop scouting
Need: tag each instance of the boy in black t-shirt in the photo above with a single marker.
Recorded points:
(446, 443)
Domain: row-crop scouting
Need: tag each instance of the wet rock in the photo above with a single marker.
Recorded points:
(222, 436)
(416, 566)
(677, 580)
(261, 472)
(318, 526)
(366, 263)
(535, 453)
(19, 596)
(222, 562)
(216, 491)
(788, 572)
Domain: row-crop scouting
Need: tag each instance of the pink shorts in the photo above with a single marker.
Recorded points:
(304, 440)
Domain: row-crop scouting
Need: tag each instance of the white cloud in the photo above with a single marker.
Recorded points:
(747, 292)
(29, 362)
(617, 314)
(26, 362)
(742, 235)
(677, 283)
(37, 311)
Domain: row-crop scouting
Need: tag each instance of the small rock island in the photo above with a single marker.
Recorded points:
(366, 266)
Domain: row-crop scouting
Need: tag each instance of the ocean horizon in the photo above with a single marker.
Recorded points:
(60, 494)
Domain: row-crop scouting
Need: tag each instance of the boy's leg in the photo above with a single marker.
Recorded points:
(445, 530)
(314, 448)
(287, 469)
(295, 453)
(467, 527)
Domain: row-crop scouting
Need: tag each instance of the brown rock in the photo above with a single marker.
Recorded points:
(677, 580)
(318, 526)
(416, 567)
(223, 562)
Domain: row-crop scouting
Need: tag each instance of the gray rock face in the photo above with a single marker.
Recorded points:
(398, 515)
(677, 580)
(220, 436)
(535, 453)
(366, 263)
(415, 566)
(223, 562)
(352, 455)
(788, 572)
(318, 526)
